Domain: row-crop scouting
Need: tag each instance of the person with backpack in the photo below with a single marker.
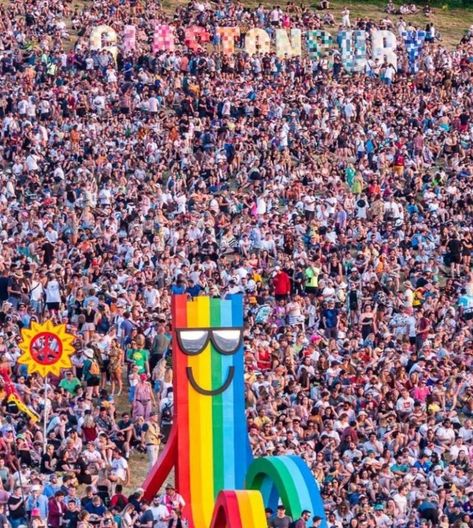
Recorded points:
(166, 408)
(91, 373)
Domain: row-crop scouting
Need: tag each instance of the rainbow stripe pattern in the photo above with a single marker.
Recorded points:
(216, 457)
(208, 445)
(236, 508)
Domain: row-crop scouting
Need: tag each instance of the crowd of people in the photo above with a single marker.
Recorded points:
(339, 205)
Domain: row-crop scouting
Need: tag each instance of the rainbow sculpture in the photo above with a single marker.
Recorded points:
(208, 446)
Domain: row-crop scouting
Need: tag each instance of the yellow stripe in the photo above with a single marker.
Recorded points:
(251, 508)
(200, 422)
(257, 508)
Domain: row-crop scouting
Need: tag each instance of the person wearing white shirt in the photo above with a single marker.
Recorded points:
(400, 499)
(445, 433)
(466, 431)
(36, 295)
(160, 513)
(119, 468)
(456, 448)
(405, 404)
(32, 162)
(53, 293)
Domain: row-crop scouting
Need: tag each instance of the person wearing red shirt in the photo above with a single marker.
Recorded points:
(57, 509)
(282, 284)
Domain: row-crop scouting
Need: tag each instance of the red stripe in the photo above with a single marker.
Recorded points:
(181, 409)
(227, 512)
(163, 467)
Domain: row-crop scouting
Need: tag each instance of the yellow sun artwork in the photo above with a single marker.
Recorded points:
(47, 348)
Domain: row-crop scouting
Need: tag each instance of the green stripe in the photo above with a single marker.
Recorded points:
(217, 407)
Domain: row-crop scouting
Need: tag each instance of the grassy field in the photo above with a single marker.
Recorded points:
(450, 21)
(451, 18)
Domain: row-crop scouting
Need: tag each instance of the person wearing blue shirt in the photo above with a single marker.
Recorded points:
(96, 506)
(38, 500)
(330, 319)
(193, 289)
(179, 287)
(51, 487)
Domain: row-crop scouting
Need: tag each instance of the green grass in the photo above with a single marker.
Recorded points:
(449, 16)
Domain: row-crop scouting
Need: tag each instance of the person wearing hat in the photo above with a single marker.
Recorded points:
(172, 500)
(36, 520)
(144, 399)
(280, 520)
(37, 501)
(152, 438)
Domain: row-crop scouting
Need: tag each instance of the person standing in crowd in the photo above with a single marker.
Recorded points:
(280, 520)
(152, 438)
(17, 508)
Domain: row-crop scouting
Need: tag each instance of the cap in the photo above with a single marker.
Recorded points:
(170, 486)
(35, 512)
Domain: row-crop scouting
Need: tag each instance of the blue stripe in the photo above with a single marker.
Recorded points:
(230, 444)
(310, 484)
(241, 432)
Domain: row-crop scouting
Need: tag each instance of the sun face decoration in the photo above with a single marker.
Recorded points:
(46, 348)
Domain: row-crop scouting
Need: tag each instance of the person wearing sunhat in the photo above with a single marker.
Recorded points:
(173, 500)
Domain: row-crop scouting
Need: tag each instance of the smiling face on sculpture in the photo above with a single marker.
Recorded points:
(196, 341)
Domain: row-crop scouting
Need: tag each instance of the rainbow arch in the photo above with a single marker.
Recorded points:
(238, 509)
(287, 478)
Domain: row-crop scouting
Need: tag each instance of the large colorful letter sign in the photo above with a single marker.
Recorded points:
(227, 36)
(413, 41)
(257, 41)
(288, 45)
(353, 48)
(384, 44)
(163, 38)
(109, 35)
(318, 43)
(129, 38)
(208, 445)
